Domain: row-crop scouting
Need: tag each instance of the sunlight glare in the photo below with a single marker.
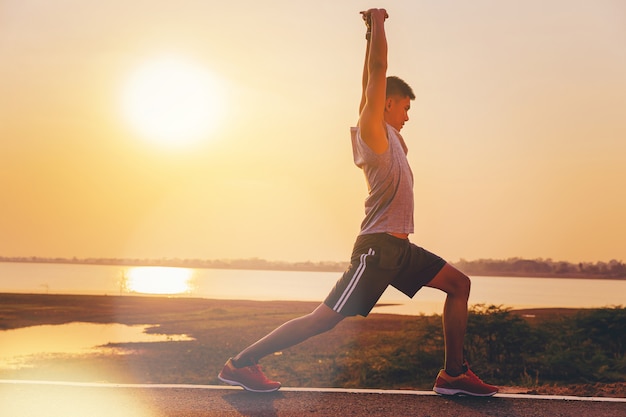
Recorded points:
(172, 101)
(159, 280)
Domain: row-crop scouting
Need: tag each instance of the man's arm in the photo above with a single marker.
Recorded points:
(365, 74)
(372, 116)
(368, 37)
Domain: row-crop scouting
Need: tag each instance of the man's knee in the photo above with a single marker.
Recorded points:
(452, 281)
(323, 319)
(459, 283)
(464, 284)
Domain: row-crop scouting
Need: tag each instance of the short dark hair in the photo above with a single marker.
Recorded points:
(398, 87)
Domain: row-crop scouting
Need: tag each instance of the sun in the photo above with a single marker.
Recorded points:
(172, 101)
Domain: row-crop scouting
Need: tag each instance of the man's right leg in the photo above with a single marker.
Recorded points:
(456, 377)
(243, 370)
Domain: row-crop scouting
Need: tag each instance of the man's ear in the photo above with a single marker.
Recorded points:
(388, 103)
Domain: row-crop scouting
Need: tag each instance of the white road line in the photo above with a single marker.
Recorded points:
(288, 389)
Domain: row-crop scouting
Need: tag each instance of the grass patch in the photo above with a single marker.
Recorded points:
(382, 351)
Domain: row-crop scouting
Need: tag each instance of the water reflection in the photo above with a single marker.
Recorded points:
(159, 280)
(18, 346)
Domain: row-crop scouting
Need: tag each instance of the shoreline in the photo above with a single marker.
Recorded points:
(260, 265)
(27, 309)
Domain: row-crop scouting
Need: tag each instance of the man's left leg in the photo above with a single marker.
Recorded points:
(243, 369)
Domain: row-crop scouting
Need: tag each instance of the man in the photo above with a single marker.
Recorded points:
(382, 254)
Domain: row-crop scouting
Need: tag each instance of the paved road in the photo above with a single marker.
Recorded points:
(37, 399)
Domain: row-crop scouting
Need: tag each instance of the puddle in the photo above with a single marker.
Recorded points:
(18, 345)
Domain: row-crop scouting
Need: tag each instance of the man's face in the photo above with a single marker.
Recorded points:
(397, 111)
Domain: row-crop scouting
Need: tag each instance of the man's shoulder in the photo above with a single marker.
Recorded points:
(364, 154)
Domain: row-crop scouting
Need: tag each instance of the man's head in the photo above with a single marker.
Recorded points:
(398, 102)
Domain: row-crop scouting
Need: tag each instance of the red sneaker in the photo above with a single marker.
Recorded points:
(250, 378)
(467, 383)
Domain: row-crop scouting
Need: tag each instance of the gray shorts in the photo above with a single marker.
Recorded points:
(379, 260)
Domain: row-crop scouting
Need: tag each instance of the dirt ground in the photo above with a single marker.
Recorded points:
(199, 318)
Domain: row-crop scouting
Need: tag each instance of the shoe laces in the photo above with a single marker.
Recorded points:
(255, 369)
(472, 375)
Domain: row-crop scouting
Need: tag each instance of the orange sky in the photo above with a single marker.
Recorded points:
(517, 137)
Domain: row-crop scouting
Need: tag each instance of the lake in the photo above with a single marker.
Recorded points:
(19, 346)
(514, 292)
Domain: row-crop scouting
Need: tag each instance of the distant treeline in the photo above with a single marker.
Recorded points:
(251, 263)
(483, 267)
(542, 268)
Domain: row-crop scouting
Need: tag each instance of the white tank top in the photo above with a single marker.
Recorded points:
(389, 204)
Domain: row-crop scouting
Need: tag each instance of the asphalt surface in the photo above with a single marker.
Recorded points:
(51, 399)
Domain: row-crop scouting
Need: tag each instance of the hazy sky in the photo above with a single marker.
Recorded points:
(517, 137)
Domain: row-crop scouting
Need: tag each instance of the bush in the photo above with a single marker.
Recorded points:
(502, 346)
(587, 347)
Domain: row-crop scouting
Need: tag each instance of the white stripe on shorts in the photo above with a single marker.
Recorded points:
(353, 282)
